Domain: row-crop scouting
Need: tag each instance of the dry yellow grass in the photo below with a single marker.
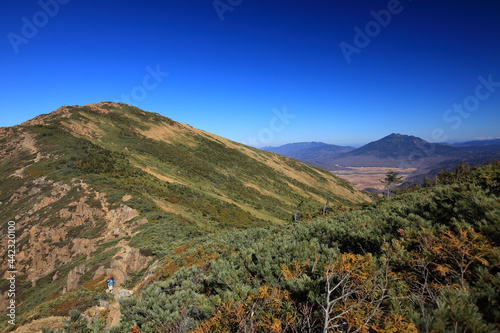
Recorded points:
(178, 133)
(37, 325)
(369, 177)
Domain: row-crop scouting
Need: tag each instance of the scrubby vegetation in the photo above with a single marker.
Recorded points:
(208, 176)
(424, 261)
(240, 246)
(81, 167)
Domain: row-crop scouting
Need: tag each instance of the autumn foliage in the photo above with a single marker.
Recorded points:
(423, 261)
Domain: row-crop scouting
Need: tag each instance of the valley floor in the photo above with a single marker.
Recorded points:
(369, 177)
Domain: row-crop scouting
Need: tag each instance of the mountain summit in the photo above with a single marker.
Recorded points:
(397, 150)
(399, 145)
(107, 189)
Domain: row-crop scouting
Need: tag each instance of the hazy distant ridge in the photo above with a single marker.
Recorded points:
(395, 150)
(314, 153)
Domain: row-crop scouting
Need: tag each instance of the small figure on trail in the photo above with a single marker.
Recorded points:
(110, 282)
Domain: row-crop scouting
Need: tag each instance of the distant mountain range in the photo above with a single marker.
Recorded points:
(312, 152)
(480, 145)
(395, 150)
(477, 143)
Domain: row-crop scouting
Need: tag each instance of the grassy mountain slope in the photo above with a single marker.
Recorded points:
(424, 261)
(110, 189)
(254, 183)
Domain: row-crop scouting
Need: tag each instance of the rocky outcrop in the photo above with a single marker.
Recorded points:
(123, 264)
(62, 112)
(109, 312)
(74, 276)
(55, 240)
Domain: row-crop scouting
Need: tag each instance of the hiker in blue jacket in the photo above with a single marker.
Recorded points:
(111, 283)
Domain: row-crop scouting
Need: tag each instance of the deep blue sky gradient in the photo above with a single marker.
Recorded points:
(232, 76)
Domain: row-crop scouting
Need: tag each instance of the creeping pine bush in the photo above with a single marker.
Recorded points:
(423, 261)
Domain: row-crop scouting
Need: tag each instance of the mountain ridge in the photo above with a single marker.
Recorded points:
(486, 142)
(108, 189)
(407, 151)
(394, 150)
(158, 129)
(313, 153)
(412, 156)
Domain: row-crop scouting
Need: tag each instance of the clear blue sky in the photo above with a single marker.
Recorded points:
(262, 72)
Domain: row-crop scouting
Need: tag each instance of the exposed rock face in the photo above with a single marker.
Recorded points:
(101, 271)
(114, 315)
(106, 311)
(62, 112)
(56, 240)
(125, 262)
(74, 278)
(116, 218)
(60, 222)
